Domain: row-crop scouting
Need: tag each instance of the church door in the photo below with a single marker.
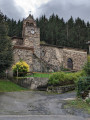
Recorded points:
(70, 63)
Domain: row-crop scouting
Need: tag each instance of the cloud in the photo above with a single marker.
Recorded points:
(66, 9)
(18, 9)
(10, 8)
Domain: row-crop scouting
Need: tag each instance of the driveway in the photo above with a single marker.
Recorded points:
(36, 105)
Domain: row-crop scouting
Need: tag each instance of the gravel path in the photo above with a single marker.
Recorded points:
(36, 105)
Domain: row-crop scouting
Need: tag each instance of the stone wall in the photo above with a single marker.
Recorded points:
(58, 57)
(32, 82)
(79, 58)
(53, 56)
(23, 54)
(36, 64)
(61, 89)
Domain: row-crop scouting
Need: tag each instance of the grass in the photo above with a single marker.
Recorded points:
(42, 75)
(8, 86)
(79, 103)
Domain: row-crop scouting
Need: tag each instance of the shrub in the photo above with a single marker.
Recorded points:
(86, 67)
(88, 101)
(83, 84)
(62, 78)
(22, 68)
(56, 78)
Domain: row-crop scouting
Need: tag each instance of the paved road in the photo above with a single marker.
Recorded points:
(42, 117)
(35, 105)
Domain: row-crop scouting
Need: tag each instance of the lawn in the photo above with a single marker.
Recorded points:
(42, 75)
(8, 86)
(78, 103)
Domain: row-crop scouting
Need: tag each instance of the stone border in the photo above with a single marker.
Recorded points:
(61, 89)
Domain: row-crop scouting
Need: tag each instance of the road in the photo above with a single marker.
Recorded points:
(36, 105)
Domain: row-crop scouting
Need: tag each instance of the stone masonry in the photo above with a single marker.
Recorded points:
(44, 57)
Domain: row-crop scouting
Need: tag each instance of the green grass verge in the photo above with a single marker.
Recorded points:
(78, 103)
(8, 86)
(42, 75)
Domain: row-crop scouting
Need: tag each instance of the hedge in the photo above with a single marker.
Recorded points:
(62, 78)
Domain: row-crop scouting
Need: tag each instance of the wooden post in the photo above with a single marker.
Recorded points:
(17, 72)
(17, 75)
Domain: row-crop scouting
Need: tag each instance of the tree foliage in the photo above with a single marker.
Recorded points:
(5, 46)
(56, 31)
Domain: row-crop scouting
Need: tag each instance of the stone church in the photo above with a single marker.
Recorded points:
(44, 57)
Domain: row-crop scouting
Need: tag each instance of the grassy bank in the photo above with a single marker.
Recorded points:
(8, 86)
(79, 104)
(42, 75)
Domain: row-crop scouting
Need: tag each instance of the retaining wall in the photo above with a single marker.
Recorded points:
(61, 89)
(31, 82)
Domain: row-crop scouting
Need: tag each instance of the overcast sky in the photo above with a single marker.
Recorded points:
(19, 9)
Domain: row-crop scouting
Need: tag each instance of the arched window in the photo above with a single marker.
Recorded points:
(70, 63)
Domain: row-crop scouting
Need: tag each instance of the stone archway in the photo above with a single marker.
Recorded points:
(70, 63)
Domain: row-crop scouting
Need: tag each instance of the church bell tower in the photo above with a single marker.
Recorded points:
(31, 35)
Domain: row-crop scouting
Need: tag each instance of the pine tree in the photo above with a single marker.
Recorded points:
(5, 46)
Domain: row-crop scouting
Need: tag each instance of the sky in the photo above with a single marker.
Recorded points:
(19, 9)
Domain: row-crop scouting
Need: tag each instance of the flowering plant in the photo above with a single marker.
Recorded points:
(21, 67)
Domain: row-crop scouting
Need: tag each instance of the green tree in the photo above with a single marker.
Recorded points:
(5, 46)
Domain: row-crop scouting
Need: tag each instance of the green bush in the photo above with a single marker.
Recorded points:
(62, 78)
(86, 67)
(83, 84)
(88, 101)
(22, 68)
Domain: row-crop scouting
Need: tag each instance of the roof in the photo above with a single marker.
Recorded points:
(63, 47)
(51, 45)
(30, 17)
(23, 47)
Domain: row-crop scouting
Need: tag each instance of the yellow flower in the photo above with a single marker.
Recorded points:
(22, 66)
